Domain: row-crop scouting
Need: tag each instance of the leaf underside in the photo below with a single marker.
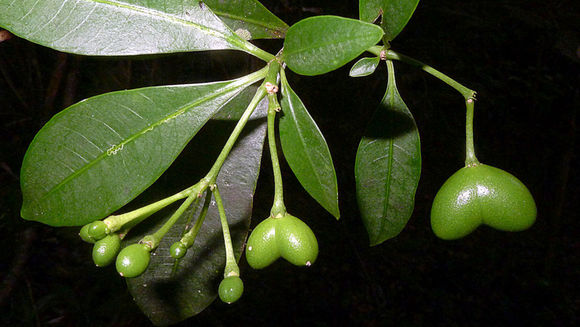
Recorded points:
(306, 151)
(395, 14)
(388, 167)
(117, 27)
(321, 44)
(169, 292)
(97, 155)
(249, 16)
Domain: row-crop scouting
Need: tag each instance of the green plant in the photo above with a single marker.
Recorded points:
(99, 154)
(480, 194)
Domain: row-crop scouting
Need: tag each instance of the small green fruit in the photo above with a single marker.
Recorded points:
(105, 250)
(133, 260)
(287, 237)
(231, 289)
(177, 250)
(84, 234)
(481, 194)
(98, 230)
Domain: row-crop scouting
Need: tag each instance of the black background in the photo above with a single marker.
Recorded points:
(523, 59)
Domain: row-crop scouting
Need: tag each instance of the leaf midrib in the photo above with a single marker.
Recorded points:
(251, 21)
(133, 137)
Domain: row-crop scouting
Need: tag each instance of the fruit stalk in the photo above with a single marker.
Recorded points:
(470, 158)
(232, 268)
(278, 208)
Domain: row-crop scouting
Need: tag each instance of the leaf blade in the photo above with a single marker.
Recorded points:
(168, 296)
(97, 155)
(320, 44)
(250, 16)
(119, 28)
(364, 67)
(395, 14)
(388, 167)
(306, 151)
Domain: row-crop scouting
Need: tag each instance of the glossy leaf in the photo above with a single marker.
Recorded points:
(364, 67)
(395, 14)
(95, 156)
(321, 44)
(120, 27)
(306, 151)
(249, 18)
(388, 167)
(171, 291)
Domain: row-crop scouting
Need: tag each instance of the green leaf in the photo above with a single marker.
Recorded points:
(169, 292)
(388, 167)
(119, 27)
(249, 18)
(395, 14)
(95, 156)
(321, 44)
(364, 67)
(306, 151)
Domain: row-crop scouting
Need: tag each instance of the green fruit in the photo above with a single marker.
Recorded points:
(296, 241)
(105, 250)
(231, 289)
(177, 250)
(481, 194)
(133, 260)
(84, 234)
(98, 230)
(262, 248)
(287, 237)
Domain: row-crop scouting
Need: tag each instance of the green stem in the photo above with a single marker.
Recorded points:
(211, 177)
(470, 158)
(116, 222)
(392, 55)
(153, 240)
(255, 51)
(189, 238)
(232, 268)
(278, 208)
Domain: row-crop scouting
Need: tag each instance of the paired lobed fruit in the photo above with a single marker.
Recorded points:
(287, 237)
(481, 194)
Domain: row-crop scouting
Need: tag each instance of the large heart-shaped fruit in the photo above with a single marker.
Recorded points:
(481, 194)
(287, 237)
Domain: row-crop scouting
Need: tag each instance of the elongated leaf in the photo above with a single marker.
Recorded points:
(388, 167)
(395, 14)
(249, 18)
(97, 155)
(364, 67)
(306, 151)
(168, 292)
(118, 27)
(320, 44)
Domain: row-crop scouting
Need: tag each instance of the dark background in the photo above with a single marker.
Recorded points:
(523, 59)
